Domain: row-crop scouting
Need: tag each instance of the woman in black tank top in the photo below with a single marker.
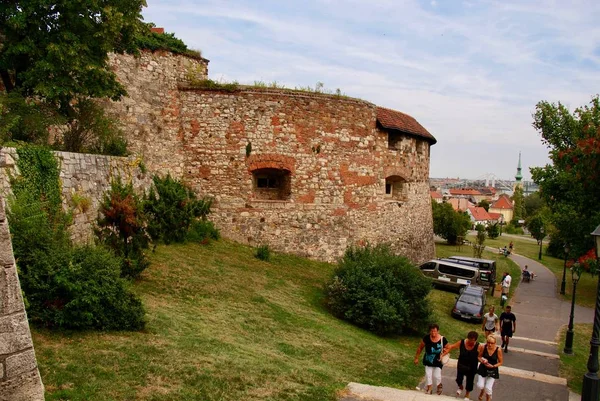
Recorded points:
(490, 358)
(467, 362)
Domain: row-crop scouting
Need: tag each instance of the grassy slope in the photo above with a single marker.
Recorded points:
(223, 325)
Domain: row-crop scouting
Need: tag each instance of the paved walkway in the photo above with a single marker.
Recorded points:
(530, 369)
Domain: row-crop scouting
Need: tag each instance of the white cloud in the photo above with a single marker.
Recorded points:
(470, 72)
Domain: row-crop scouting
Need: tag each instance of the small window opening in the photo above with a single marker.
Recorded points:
(271, 184)
(396, 188)
(394, 141)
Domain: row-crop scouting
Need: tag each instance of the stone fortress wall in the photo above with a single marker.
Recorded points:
(84, 179)
(302, 172)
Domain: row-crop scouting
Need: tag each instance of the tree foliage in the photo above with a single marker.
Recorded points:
(533, 203)
(518, 208)
(479, 241)
(493, 230)
(570, 186)
(484, 203)
(56, 50)
(448, 223)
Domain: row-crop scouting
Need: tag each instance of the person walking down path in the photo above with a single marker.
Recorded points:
(490, 358)
(508, 322)
(466, 366)
(433, 343)
(490, 322)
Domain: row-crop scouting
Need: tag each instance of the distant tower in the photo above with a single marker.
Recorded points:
(519, 176)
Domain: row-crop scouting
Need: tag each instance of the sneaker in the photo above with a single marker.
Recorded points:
(458, 392)
(506, 350)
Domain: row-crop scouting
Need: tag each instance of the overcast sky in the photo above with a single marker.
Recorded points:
(471, 72)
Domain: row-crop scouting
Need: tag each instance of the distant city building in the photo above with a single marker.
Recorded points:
(503, 206)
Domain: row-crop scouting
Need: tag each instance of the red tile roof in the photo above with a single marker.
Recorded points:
(157, 30)
(502, 203)
(396, 120)
(435, 195)
(479, 213)
(495, 216)
(464, 192)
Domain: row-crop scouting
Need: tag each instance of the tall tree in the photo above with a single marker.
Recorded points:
(449, 224)
(58, 50)
(518, 209)
(571, 185)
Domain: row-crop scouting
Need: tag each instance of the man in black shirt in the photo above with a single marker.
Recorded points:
(508, 326)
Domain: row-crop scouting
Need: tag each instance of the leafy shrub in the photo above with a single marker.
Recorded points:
(379, 291)
(25, 119)
(263, 252)
(171, 208)
(510, 228)
(63, 287)
(92, 131)
(493, 230)
(163, 41)
(80, 289)
(122, 227)
(202, 231)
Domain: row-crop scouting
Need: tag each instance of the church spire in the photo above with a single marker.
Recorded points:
(519, 176)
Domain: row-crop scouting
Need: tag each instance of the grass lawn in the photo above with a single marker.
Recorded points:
(587, 286)
(223, 325)
(573, 367)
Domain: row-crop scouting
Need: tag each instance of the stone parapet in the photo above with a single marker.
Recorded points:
(19, 375)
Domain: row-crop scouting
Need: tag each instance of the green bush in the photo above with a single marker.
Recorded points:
(122, 227)
(171, 207)
(202, 231)
(379, 291)
(80, 289)
(263, 252)
(91, 130)
(493, 230)
(510, 228)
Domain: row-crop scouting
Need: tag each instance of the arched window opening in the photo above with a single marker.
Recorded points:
(271, 184)
(396, 188)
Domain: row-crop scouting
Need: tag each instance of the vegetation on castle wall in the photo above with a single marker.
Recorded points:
(64, 286)
(149, 40)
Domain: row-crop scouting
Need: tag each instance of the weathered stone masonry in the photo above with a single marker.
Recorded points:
(19, 375)
(305, 173)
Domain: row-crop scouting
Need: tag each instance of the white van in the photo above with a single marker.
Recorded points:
(444, 273)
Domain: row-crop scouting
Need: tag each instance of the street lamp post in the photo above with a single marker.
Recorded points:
(575, 274)
(591, 383)
(564, 281)
(541, 238)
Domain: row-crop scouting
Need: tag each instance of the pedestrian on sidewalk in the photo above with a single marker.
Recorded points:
(490, 322)
(433, 343)
(508, 322)
(490, 358)
(506, 282)
(466, 366)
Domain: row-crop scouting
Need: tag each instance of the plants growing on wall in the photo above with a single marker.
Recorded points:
(172, 207)
(122, 227)
(64, 286)
(378, 291)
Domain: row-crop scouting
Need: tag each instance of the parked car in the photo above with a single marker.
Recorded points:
(470, 304)
(449, 274)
